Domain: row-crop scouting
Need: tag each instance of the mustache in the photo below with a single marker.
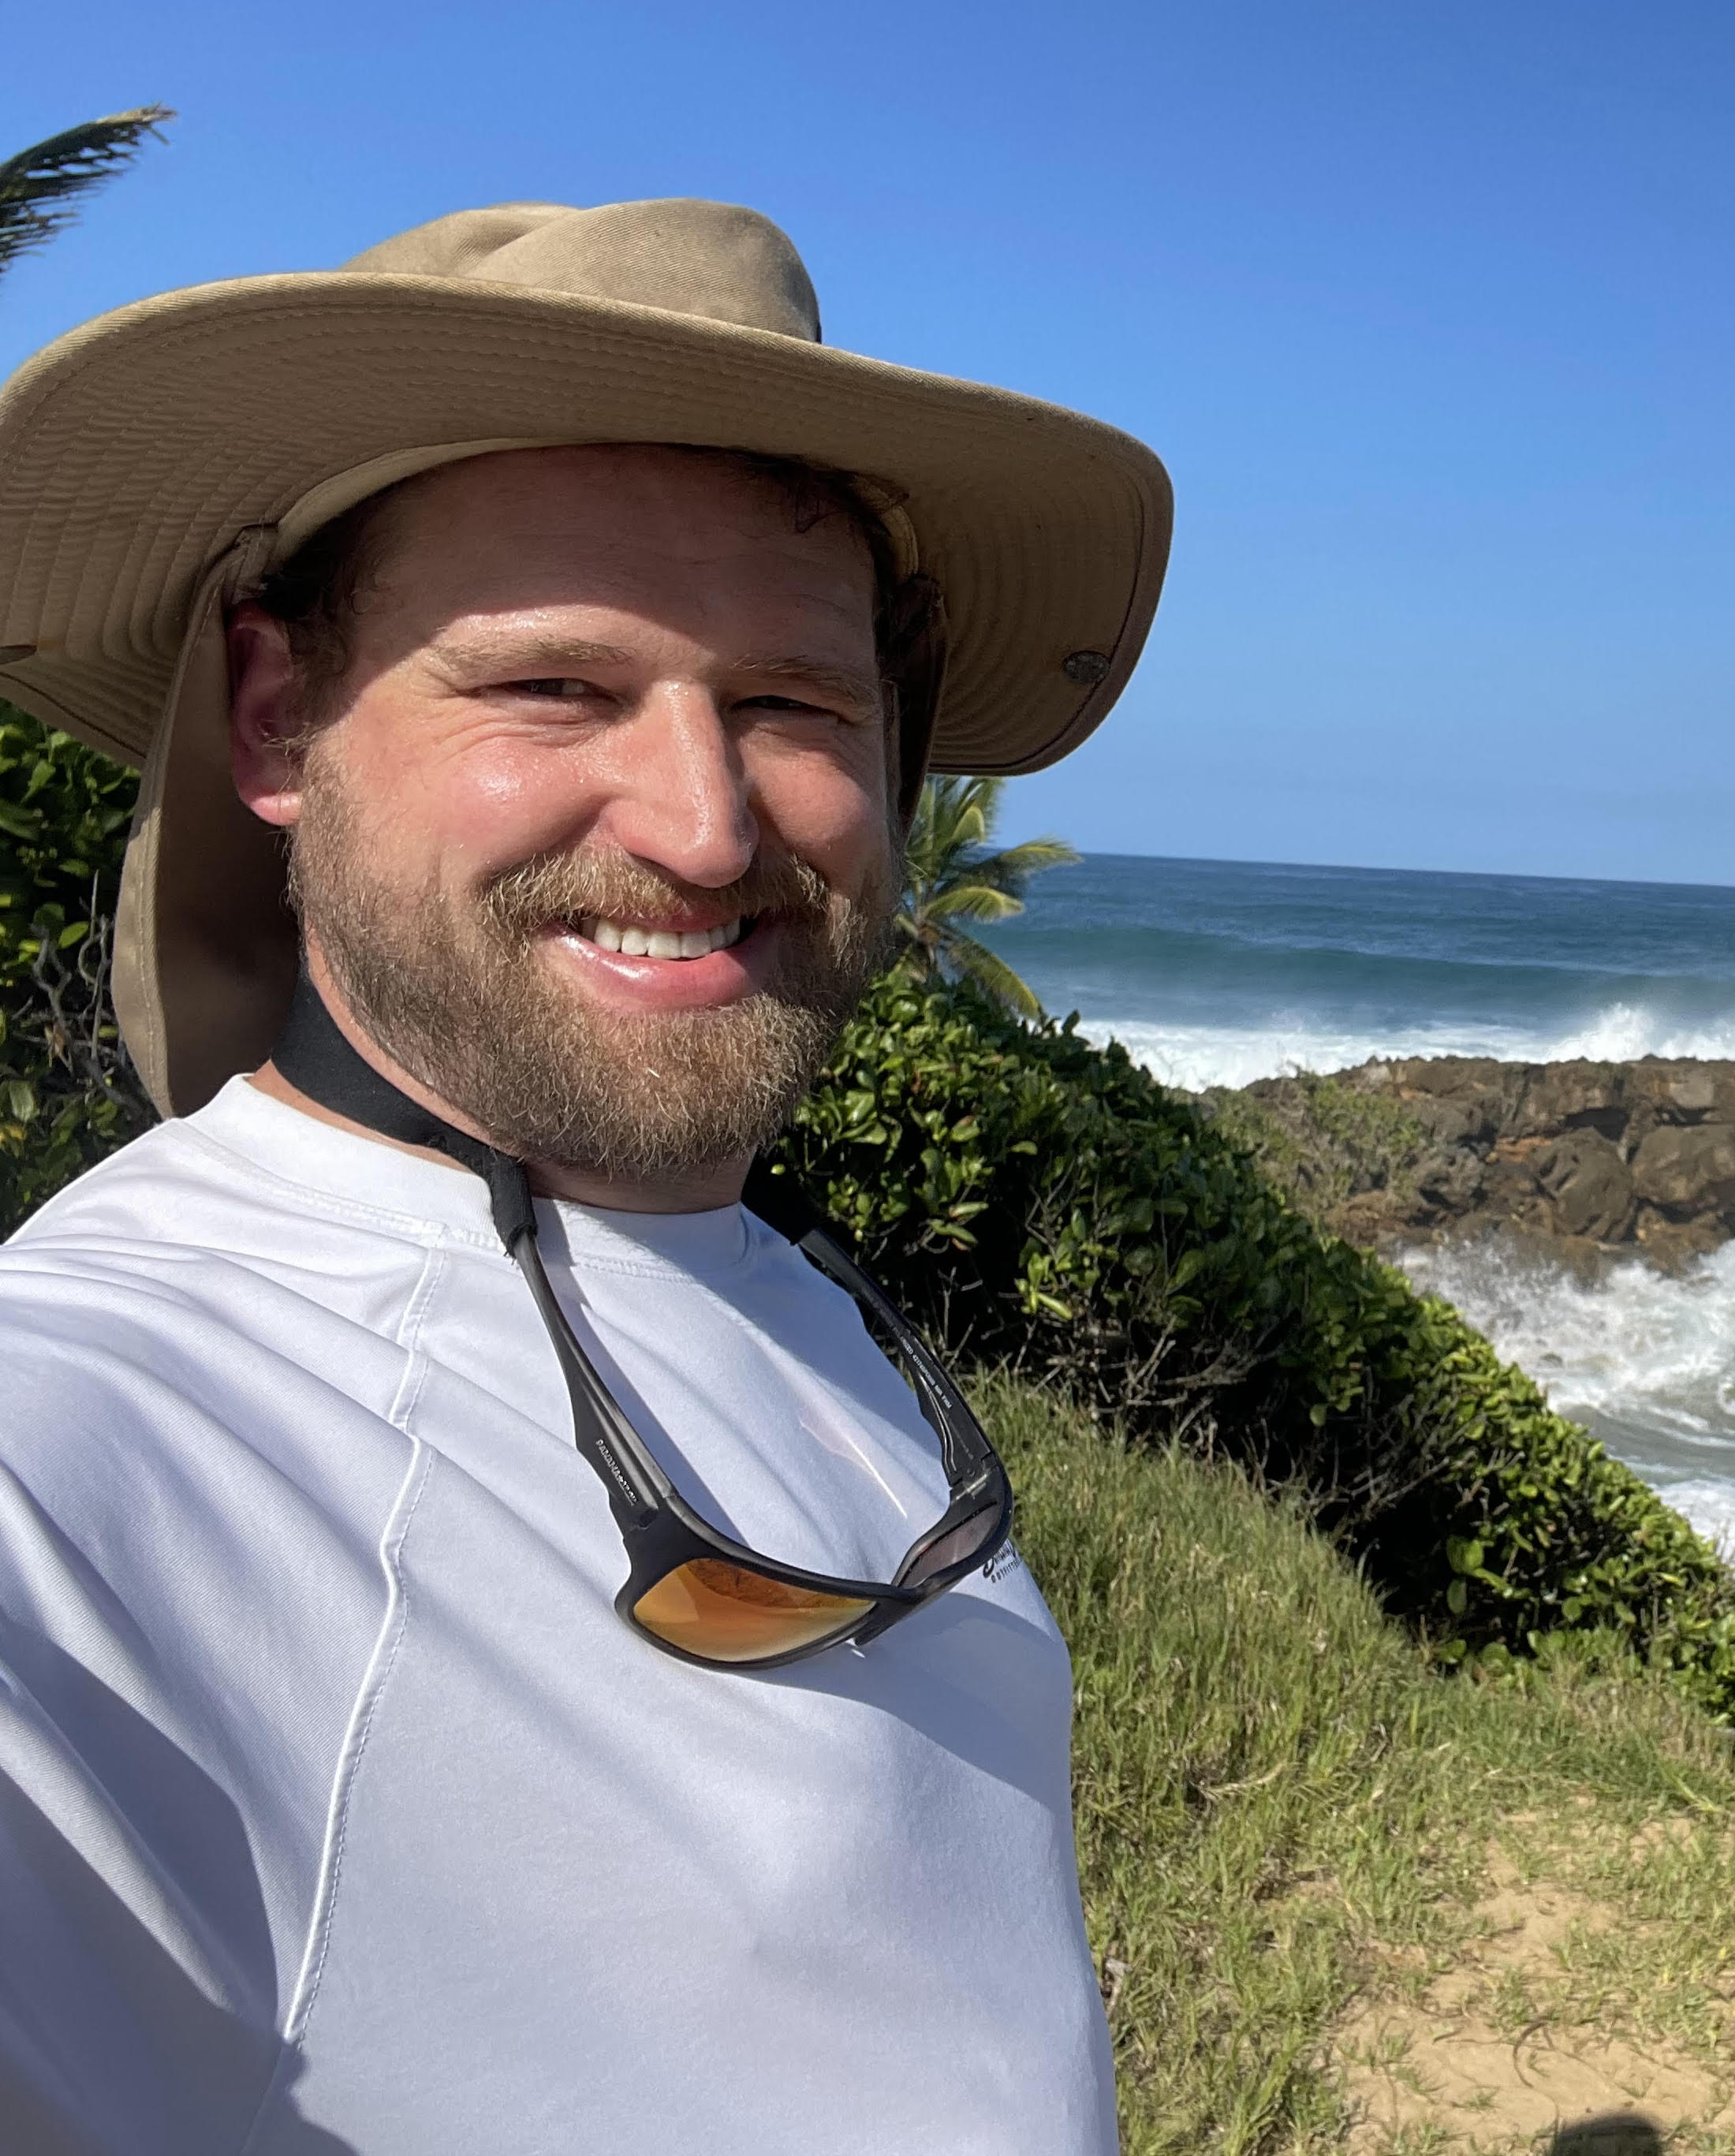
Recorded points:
(542, 892)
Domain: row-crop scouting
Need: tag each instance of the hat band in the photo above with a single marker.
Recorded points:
(345, 489)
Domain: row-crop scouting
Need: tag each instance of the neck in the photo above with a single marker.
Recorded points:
(699, 1193)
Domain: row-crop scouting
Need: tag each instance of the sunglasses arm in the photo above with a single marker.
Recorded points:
(648, 1509)
(963, 1448)
(637, 1489)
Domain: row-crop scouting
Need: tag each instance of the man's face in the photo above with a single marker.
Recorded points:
(595, 838)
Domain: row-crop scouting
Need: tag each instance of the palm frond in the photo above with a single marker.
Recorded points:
(1031, 858)
(40, 187)
(970, 900)
(1009, 871)
(992, 974)
(950, 877)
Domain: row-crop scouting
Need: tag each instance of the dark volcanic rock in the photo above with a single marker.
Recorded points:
(1685, 1172)
(1615, 1157)
(1452, 1179)
(1588, 1183)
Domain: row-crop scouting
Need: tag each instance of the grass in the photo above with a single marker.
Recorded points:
(1289, 1825)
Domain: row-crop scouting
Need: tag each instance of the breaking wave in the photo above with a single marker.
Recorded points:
(1645, 1361)
(1195, 1056)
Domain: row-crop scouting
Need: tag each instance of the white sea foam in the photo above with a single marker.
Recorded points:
(1648, 1362)
(1195, 1056)
(1708, 1505)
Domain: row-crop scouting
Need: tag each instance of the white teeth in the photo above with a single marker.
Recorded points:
(659, 942)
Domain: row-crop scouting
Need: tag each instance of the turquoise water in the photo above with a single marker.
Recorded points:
(1218, 972)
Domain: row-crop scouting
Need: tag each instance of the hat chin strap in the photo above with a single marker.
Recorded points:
(313, 1054)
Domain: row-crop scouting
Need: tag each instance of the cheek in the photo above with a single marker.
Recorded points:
(833, 810)
(468, 810)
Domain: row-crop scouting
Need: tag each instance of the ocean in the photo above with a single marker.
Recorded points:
(1217, 973)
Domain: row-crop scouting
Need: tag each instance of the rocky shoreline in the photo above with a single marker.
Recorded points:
(1588, 1162)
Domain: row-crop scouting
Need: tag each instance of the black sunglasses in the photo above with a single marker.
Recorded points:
(689, 1589)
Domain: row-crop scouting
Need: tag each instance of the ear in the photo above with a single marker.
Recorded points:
(263, 723)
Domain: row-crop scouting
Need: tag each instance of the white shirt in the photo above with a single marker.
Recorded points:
(341, 1816)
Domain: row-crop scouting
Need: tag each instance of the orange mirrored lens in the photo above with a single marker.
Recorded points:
(723, 1613)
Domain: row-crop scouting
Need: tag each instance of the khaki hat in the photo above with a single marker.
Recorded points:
(157, 462)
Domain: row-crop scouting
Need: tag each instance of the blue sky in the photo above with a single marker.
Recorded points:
(1429, 311)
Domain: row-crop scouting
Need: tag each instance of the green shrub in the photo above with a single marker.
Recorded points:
(1320, 1141)
(1045, 1204)
(68, 1090)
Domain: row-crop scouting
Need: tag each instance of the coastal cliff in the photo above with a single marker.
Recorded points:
(1586, 1160)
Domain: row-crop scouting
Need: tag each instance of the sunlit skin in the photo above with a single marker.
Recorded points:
(624, 649)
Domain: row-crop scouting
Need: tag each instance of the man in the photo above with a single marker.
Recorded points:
(492, 1657)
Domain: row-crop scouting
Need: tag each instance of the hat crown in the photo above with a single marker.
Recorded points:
(711, 259)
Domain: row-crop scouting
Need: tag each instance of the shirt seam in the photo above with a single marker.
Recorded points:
(652, 1264)
(409, 1339)
(375, 1677)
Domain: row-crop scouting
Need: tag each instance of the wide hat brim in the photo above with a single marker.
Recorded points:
(136, 449)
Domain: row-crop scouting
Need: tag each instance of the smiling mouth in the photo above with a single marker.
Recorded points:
(632, 940)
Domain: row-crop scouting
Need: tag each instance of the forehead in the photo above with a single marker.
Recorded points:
(687, 535)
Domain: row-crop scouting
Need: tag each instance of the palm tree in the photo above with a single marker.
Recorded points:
(950, 878)
(37, 186)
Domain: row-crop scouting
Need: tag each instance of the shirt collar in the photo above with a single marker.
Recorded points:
(429, 1193)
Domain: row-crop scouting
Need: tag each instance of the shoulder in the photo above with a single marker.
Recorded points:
(194, 1394)
(184, 1184)
(187, 1405)
(198, 1253)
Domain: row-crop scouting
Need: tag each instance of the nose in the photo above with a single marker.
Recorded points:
(680, 800)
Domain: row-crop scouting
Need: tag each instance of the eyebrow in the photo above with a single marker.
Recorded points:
(553, 655)
(543, 656)
(866, 690)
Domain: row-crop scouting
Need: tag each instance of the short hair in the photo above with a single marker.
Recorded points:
(319, 592)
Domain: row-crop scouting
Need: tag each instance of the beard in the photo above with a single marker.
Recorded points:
(460, 993)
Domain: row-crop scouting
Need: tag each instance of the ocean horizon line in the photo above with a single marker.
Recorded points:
(1377, 868)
